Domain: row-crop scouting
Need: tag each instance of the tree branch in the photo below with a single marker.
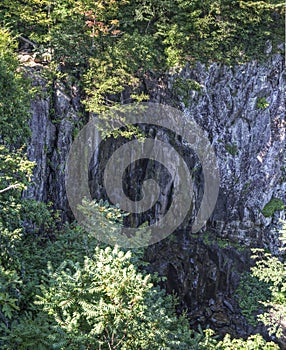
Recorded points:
(9, 188)
(28, 41)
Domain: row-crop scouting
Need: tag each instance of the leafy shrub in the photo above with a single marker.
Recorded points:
(251, 292)
(262, 103)
(270, 271)
(88, 296)
(106, 303)
(274, 205)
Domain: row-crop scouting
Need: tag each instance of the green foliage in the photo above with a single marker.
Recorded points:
(88, 296)
(64, 290)
(225, 31)
(254, 342)
(151, 34)
(211, 239)
(274, 205)
(269, 271)
(70, 293)
(231, 149)
(14, 95)
(100, 215)
(15, 169)
(262, 103)
(184, 87)
(113, 47)
(30, 18)
(251, 292)
(106, 302)
(16, 172)
(206, 340)
(105, 81)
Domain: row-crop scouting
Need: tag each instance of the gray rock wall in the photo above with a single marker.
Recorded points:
(242, 110)
(55, 117)
(249, 141)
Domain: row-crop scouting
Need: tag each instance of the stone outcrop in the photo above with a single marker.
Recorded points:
(242, 110)
(55, 117)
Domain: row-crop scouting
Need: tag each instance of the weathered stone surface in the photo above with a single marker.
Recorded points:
(242, 110)
(54, 119)
(249, 142)
(250, 146)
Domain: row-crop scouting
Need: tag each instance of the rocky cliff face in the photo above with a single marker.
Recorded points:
(55, 117)
(242, 110)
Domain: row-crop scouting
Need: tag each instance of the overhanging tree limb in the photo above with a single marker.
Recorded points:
(10, 188)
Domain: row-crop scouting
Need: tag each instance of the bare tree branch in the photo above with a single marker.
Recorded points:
(10, 188)
(28, 41)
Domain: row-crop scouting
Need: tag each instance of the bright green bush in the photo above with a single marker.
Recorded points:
(107, 303)
(72, 294)
(254, 342)
(269, 271)
(251, 292)
(14, 94)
